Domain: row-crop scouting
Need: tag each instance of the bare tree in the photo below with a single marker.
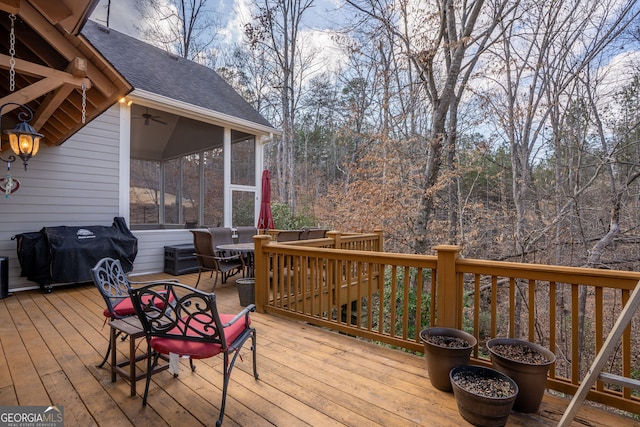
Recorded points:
(536, 81)
(185, 27)
(540, 60)
(276, 32)
(444, 43)
(249, 74)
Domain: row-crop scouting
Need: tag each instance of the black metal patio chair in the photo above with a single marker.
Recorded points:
(114, 285)
(191, 326)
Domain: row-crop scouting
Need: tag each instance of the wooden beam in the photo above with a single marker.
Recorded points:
(31, 69)
(31, 92)
(53, 11)
(49, 105)
(59, 42)
(78, 67)
(54, 99)
(10, 6)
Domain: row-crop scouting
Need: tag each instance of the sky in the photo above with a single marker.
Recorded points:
(233, 14)
(123, 16)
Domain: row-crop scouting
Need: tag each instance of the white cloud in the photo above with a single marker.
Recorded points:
(240, 14)
(329, 56)
(620, 70)
(122, 16)
(233, 16)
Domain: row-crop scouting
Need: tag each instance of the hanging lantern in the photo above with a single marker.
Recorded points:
(24, 141)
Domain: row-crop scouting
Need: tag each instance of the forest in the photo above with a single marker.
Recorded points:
(508, 127)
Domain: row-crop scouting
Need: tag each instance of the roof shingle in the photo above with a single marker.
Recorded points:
(157, 71)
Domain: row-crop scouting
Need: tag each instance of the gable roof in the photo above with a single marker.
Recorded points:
(51, 65)
(157, 71)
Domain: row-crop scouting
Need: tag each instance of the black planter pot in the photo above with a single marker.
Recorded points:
(441, 359)
(530, 377)
(478, 409)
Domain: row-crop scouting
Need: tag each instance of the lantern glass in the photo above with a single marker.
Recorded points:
(36, 145)
(26, 144)
(24, 140)
(13, 141)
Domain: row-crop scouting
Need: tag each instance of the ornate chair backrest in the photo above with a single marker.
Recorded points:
(190, 315)
(112, 282)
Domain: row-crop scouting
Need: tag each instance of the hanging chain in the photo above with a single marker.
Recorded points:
(12, 54)
(84, 103)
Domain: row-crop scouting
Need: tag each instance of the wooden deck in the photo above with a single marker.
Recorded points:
(50, 344)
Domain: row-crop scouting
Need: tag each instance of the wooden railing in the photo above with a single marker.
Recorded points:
(346, 283)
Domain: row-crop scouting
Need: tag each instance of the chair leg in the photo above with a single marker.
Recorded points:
(199, 273)
(228, 367)
(225, 383)
(150, 366)
(106, 356)
(253, 348)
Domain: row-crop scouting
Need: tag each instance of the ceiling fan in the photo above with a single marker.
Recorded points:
(150, 117)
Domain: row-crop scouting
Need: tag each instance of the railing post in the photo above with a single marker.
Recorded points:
(335, 235)
(448, 293)
(261, 270)
(380, 233)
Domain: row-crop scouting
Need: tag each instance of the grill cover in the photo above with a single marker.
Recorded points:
(65, 254)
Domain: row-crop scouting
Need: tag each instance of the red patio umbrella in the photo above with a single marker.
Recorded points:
(265, 220)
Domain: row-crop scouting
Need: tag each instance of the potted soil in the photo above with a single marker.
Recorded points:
(484, 396)
(527, 363)
(444, 349)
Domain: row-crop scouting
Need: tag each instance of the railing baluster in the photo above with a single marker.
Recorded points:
(512, 306)
(626, 348)
(394, 290)
(324, 286)
(381, 298)
(575, 342)
(494, 306)
(599, 326)
(418, 318)
(405, 302)
(476, 309)
(370, 297)
(434, 299)
(552, 324)
(532, 310)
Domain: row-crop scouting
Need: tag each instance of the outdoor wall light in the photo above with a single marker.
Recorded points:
(24, 140)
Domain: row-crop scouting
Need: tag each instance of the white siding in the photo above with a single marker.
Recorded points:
(84, 182)
(76, 183)
(151, 245)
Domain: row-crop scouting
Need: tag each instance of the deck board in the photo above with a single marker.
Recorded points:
(50, 344)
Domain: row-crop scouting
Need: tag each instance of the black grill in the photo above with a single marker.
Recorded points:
(65, 254)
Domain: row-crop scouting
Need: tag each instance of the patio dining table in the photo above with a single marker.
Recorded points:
(244, 248)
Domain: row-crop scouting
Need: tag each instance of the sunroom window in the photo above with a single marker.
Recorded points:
(177, 172)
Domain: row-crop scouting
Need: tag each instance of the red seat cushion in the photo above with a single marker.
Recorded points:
(125, 307)
(195, 349)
